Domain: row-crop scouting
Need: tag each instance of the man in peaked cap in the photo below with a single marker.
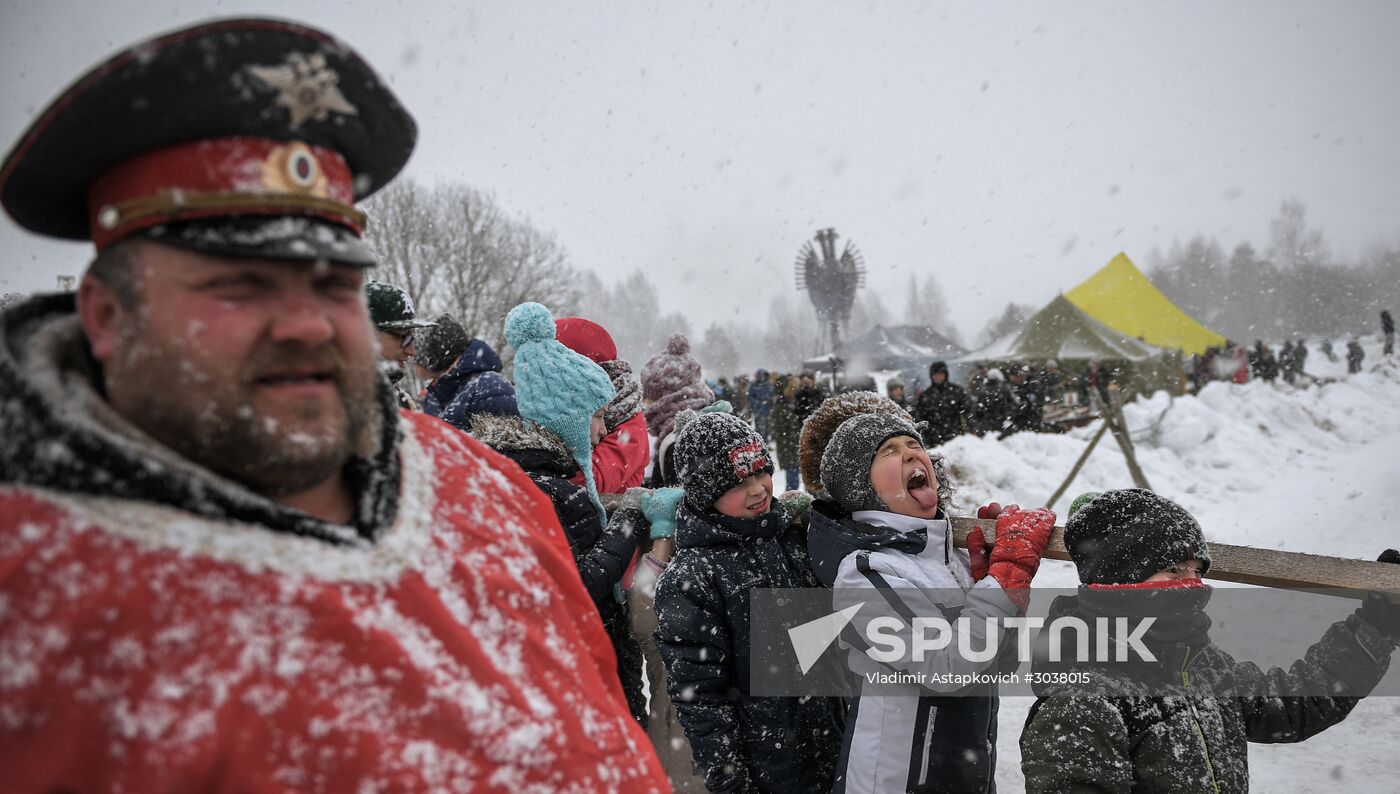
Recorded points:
(222, 548)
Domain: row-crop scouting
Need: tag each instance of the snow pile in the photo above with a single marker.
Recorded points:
(1311, 469)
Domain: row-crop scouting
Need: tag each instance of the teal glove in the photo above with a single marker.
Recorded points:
(718, 407)
(660, 507)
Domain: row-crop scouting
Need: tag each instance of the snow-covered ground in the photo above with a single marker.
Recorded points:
(1259, 465)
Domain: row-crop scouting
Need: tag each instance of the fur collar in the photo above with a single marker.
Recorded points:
(517, 434)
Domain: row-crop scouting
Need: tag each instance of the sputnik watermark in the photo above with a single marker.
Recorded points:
(884, 641)
(842, 642)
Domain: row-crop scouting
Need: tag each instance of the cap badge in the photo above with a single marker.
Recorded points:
(306, 87)
(293, 168)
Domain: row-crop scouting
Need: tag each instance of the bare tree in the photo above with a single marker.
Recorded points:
(631, 311)
(718, 353)
(1011, 319)
(1298, 290)
(400, 231)
(455, 250)
(792, 335)
(869, 311)
(935, 313)
(1291, 242)
(913, 303)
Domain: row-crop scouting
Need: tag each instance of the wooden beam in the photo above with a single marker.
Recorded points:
(1078, 464)
(1112, 412)
(1265, 567)
(1229, 563)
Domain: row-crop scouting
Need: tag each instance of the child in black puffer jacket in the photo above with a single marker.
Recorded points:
(562, 396)
(601, 550)
(1181, 720)
(733, 536)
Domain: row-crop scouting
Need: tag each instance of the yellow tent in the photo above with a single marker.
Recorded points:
(1122, 298)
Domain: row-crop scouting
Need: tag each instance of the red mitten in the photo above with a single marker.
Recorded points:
(994, 509)
(977, 547)
(1021, 538)
(978, 552)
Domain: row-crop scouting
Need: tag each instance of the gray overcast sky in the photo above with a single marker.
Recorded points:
(1009, 148)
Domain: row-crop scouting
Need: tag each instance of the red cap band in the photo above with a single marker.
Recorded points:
(221, 177)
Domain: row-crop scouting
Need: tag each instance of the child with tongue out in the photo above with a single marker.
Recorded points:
(881, 539)
(732, 536)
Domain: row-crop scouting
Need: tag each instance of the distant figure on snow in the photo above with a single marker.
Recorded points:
(1355, 355)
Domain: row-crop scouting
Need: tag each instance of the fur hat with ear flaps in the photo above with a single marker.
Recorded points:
(848, 456)
(820, 426)
(555, 387)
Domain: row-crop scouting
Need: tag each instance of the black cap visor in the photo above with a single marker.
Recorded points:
(282, 237)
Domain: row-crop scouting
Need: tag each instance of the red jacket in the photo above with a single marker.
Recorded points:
(620, 459)
(147, 649)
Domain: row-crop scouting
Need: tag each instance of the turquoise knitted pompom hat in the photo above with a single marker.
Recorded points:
(555, 387)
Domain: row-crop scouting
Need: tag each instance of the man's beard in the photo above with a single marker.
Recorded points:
(210, 418)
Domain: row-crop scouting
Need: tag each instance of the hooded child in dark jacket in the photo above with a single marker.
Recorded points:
(465, 375)
(1183, 719)
(733, 536)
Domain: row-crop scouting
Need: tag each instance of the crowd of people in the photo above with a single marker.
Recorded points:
(997, 400)
(239, 552)
(1013, 397)
(709, 528)
(1237, 364)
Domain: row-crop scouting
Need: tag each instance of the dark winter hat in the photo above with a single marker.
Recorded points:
(441, 344)
(831, 414)
(1123, 537)
(715, 452)
(390, 308)
(849, 453)
(670, 370)
(240, 137)
(937, 367)
(586, 338)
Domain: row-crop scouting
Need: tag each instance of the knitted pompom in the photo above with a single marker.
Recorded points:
(682, 419)
(718, 407)
(529, 322)
(1081, 500)
(677, 345)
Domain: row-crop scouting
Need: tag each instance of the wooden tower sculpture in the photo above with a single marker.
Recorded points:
(831, 282)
